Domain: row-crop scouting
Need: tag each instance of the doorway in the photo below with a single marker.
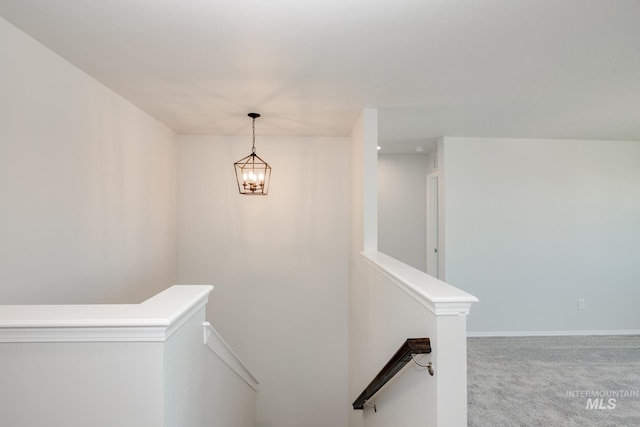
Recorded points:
(432, 224)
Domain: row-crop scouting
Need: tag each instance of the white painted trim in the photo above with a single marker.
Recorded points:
(439, 297)
(82, 334)
(154, 320)
(183, 316)
(370, 178)
(432, 228)
(220, 348)
(551, 333)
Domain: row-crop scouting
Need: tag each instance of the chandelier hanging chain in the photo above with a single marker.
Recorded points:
(253, 147)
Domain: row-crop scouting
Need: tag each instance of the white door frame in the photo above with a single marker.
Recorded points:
(432, 224)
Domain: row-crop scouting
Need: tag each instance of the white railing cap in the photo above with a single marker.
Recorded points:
(152, 320)
(439, 297)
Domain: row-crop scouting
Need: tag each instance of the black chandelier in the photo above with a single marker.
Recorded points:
(253, 173)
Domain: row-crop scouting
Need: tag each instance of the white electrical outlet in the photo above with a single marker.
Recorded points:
(581, 304)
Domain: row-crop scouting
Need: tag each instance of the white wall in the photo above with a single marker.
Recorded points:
(230, 390)
(397, 302)
(87, 185)
(185, 376)
(362, 214)
(135, 365)
(152, 364)
(387, 316)
(77, 384)
(279, 264)
(389, 302)
(533, 225)
(402, 204)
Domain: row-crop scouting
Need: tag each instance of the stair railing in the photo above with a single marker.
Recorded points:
(405, 353)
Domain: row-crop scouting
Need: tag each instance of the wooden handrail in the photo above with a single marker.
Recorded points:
(410, 347)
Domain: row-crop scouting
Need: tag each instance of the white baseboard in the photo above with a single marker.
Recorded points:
(550, 333)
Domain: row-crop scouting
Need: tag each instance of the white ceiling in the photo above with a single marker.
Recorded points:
(504, 68)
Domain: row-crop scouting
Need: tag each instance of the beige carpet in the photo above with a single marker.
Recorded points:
(554, 381)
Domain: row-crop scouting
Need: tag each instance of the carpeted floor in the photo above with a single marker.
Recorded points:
(554, 381)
